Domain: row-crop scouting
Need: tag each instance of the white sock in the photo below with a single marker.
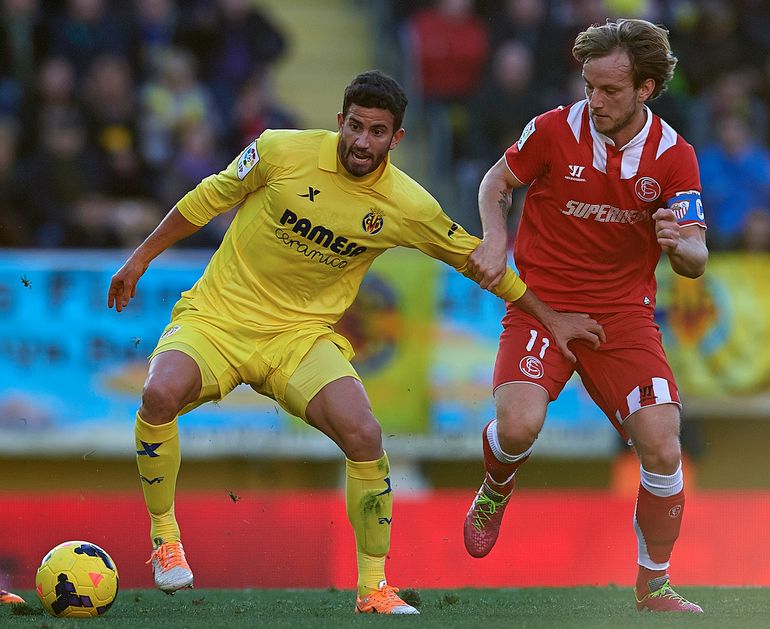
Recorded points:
(662, 485)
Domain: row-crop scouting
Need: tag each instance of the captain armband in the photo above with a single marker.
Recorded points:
(687, 207)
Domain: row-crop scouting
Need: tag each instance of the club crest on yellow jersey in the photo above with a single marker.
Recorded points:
(373, 221)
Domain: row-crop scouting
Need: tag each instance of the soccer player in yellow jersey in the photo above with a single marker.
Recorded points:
(315, 208)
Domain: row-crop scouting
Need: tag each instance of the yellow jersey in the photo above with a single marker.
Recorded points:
(306, 232)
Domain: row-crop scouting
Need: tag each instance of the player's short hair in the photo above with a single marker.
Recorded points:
(377, 90)
(645, 43)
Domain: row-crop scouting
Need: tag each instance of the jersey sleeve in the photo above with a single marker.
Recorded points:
(527, 159)
(683, 192)
(221, 192)
(443, 239)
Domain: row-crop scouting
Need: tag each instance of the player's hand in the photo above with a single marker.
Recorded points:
(666, 229)
(487, 263)
(572, 326)
(123, 284)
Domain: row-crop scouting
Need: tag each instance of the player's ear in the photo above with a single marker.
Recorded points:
(340, 120)
(646, 89)
(397, 137)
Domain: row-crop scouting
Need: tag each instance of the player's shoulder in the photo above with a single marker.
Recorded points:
(560, 120)
(280, 146)
(407, 194)
(670, 144)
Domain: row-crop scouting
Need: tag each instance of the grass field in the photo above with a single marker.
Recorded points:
(741, 608)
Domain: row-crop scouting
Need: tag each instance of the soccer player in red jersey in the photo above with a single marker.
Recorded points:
(611, 187)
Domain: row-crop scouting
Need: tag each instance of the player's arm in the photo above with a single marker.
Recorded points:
(487, 263)
(444, 240)
(685, 245)
(214, 195)
(172, 228)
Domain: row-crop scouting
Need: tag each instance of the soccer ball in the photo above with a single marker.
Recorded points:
(77, 580)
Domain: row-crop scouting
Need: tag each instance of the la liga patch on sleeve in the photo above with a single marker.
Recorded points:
(248, 160)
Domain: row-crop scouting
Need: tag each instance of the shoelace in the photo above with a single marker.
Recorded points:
(169, 556)
(482, 515)
(666, 591)
(388, 592)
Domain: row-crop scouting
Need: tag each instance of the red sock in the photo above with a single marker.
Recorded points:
(659, 520)
(498, 471)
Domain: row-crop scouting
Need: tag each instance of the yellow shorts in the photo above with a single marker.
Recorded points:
(290, 367)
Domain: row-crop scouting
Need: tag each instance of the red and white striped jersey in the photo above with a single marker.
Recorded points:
(586, 241)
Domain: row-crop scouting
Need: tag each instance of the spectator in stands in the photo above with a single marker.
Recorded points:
(254, 111)
(23, 43)
(171, 101)
(87, 28)
(550, 43)
(735, 174)
(231, 39)
(53, 97)
(65, 178)
(709, 45)
(448, 45)
(755, 236)
(153, 29)
(111, 108)
(731, 93)
(501, 109)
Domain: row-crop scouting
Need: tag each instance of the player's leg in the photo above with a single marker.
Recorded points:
(325, 390)
(186, 369)
(529, 372)
(631, 381)
(173, 381)
(507, 442)
(654, 431)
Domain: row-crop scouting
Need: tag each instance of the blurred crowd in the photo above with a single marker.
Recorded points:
(110, 110)
(481, 70)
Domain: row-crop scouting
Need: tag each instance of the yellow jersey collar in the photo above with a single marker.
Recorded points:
(327, 160)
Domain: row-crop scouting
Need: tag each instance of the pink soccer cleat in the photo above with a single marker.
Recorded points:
(482, 524)
(663, 598)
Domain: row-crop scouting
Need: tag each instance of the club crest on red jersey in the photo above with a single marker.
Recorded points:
(373, 221)
(532, 367)
(647, 189)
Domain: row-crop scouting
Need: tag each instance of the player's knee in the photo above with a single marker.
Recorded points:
(661, 458)
(160, 403)
(516, 433)
(362, 441)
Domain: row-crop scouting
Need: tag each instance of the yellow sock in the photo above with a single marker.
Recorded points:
(369, 503)
(158, 457)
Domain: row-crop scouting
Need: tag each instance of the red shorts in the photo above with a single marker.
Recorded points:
(628, 372)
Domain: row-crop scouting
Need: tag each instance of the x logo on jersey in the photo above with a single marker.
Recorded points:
(149, 449)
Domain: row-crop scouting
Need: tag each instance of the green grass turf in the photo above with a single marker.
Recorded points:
(742, 608)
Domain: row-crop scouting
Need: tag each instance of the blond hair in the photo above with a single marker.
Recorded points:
(646, 44)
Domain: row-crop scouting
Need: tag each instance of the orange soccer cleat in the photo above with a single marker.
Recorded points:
(9, 598)
(383, 601)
